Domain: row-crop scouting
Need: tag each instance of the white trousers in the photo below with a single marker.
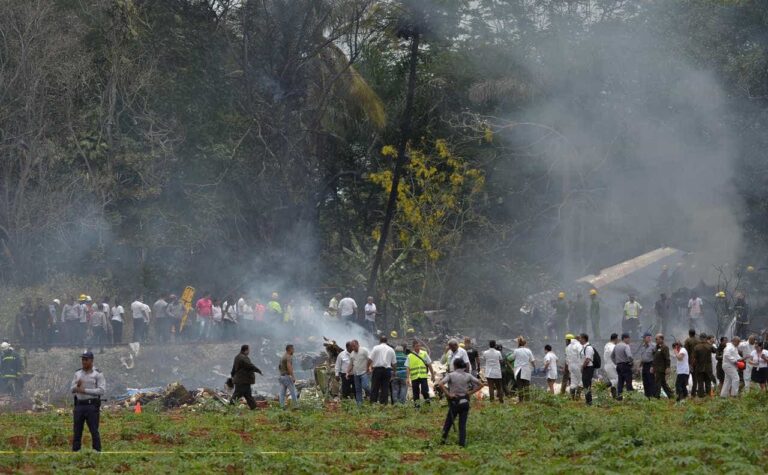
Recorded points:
(575, 371)
(731, 383)
(613, 376)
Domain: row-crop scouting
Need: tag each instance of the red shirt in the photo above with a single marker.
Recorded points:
(204, 307)
(259, 312)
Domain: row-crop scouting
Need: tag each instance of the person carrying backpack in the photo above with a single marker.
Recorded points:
(591, 363)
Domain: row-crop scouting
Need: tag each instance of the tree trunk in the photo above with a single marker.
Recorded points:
(405, 135)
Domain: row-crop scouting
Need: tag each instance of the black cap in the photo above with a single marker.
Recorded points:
(624, 336)
(87, 354)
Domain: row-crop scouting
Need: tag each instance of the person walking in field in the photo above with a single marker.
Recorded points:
(360, 367)
(631, 322)
(574, 361)
(622, 358)
(243, 376)
(759, 361)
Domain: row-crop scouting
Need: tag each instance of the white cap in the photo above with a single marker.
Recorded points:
(57, 301)
(4, 345)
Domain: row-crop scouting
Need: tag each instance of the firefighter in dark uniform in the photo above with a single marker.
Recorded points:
(88, 386)
(10, 371)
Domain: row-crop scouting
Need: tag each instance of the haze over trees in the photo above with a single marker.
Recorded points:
(155, 144)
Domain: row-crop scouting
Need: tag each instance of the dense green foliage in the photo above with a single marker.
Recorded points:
(155, 144)
(545, 436)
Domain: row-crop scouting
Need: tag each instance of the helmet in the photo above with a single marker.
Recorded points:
(741, 365)
(88, 298)
(593, 292)
(561, 295)
(461, 345)
(411, 330)
(57, 301)
(4, 345)
(393, 334)
(82, 298)
(570, 336)
(720, 295)
(750, 269)
(275, 295)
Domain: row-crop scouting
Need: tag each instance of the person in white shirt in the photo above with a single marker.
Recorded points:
(631, 322)
(730, 358)
(694, 311)
(383, 361)
(342, 366)
(456, 352)
(759, 360)
(524, 364)
(492, 370)
(574, 361)
(360, 369)
(683, 370)
(333, 306)
(370, 315)
(117, 322)
(140, 312)
(550, 366)
(587, 367)
(745, 349)
(348, 308)
(609, 367)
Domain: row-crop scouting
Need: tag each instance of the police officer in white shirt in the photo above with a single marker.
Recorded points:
(88, 386)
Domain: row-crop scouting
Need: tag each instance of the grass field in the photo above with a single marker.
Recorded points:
(548, 435)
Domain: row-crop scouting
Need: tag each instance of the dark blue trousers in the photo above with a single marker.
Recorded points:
(86, 414)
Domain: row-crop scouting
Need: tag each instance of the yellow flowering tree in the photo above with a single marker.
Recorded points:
(434, 201)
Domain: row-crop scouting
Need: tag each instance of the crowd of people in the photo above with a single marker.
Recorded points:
(682, 309)
(83, 321)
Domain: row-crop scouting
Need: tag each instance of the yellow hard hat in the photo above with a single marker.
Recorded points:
(561, 295)
(411, 330)
(393, 334)
(461, 345)
(593, 292)
(275, 295)
(720, 295)
(570, 336)
(750, 269)
(82, 297)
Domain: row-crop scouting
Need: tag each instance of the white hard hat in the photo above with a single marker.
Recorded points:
(4, 345)
(57, 301)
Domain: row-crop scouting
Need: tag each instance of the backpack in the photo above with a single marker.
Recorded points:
(596, 361)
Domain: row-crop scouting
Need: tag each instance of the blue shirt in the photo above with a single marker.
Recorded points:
(400, 371)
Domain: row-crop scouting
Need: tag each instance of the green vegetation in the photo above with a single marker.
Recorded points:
(549, 435)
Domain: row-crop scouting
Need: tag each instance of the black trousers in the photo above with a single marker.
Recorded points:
(139, 330)
(586, 380)
(244, 391)
(347, 387)
(117, 332)
(494, 385)
(660, 382)
(649, 384)
(522, 388)
(380, 385)
(462, 412)
(702, 385)
(86, 414)
(420, 386)
(681, 386)
(625, 378)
